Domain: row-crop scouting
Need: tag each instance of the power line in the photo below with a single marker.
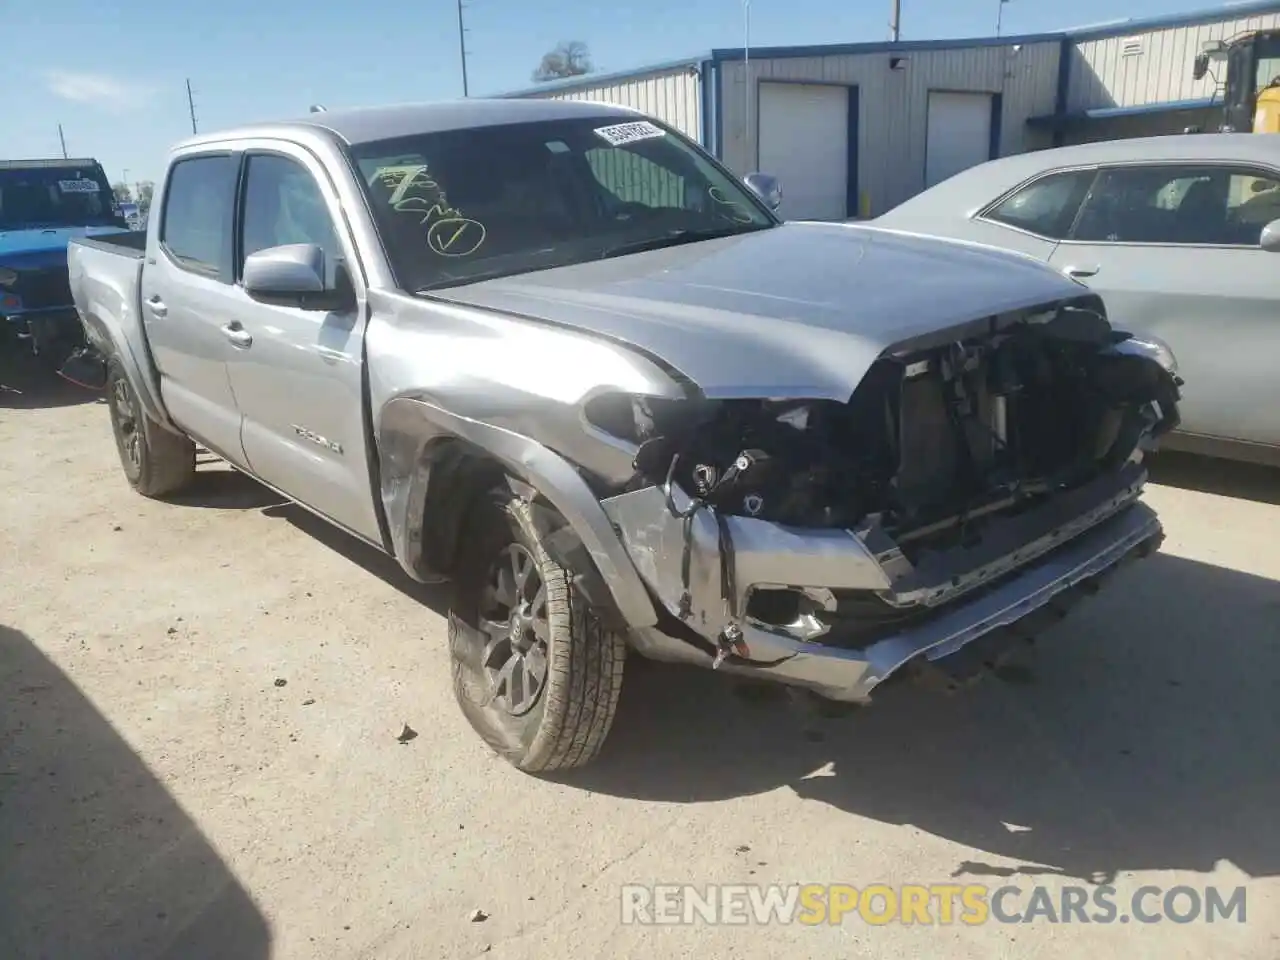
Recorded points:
(63, 140)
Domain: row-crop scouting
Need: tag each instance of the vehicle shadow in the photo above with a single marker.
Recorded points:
(26, 385)
(219, 487)
(1225, 478)
(1141, 736)
(96, 858)
(434, 596)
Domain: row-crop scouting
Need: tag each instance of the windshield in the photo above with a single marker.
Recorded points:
(70, 196)
(460, 205)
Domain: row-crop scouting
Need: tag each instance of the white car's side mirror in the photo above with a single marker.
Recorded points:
(1270, 239)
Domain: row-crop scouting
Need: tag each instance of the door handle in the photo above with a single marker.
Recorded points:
(238, 335)
(1079, 272)
(157, 307)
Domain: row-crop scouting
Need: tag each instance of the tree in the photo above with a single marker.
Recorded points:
(145, 189)
(569, 58)
(122, 192)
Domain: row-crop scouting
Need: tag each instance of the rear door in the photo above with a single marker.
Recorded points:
(1174, 251)
(298, 373)
(187, 296)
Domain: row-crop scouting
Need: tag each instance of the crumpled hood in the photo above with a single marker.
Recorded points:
(802, 310)
(33, 247)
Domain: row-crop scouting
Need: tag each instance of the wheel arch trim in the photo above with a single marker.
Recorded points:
(412, 435)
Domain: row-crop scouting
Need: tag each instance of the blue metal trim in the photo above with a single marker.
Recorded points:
(906, 46)
(704, 103)
(597, 79)
(719, 102)
(1106, 113)
(852, 204)
(997, 123)
(1118, 28)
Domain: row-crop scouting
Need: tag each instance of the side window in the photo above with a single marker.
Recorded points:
(1179, 205)
(283, 204)
(194, 228)
(1047, 206)
(633, 179)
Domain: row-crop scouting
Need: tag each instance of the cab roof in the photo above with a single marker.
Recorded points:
(365, 124)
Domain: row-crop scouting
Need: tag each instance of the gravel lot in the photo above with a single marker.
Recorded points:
(200, 702)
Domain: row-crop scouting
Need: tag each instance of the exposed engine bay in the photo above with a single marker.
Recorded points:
(927, 437)
(935, 447)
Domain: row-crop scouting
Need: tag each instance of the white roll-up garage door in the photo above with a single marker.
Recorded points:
(959, 133)
(804, 142)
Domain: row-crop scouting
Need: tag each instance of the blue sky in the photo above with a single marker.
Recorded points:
(113, 74)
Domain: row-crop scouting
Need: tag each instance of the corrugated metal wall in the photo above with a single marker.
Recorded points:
(673, 95)
(893, 105)
(1103, 75)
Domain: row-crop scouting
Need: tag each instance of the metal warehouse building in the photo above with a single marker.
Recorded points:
(854, 129)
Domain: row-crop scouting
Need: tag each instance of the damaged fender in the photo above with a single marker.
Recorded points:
(410, 432)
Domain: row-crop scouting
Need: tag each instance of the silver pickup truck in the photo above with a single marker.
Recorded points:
(556, 354)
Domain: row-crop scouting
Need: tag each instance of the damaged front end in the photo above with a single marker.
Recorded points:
(969, 489)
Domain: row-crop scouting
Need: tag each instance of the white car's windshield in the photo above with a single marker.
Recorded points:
(466, 204)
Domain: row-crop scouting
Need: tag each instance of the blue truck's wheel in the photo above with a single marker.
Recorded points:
(156, 462)
(535, 672)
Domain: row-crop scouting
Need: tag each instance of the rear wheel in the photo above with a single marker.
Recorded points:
(156, 462)
(535, 672)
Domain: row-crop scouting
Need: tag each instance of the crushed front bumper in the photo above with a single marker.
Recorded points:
(1017, 599)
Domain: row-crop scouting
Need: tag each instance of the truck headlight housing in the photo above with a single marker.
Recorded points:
(8, 277)
(1153, 348)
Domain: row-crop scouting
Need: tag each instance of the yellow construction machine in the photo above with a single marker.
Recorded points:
(1251, 88)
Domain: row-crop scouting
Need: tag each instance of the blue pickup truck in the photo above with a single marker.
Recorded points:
(43, 204)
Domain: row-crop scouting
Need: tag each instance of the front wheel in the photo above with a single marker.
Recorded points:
(156, 462)
(535, 672)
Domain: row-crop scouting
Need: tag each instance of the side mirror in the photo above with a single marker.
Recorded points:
(1200, 66)
(766, 187)
(1270, 239)
(293, 275)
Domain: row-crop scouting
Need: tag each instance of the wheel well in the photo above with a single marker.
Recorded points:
(461, 477)
(461, 474)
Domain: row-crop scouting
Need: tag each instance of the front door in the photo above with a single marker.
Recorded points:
(297, 373)
(1174, 251)
(187, 298)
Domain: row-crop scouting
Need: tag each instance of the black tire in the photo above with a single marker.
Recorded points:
(563, 723)
(156, 461)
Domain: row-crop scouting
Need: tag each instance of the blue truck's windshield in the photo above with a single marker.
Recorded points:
(55, 196)
(461, 205)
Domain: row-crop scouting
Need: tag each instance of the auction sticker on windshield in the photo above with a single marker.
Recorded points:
(78, 186)
(620, 133)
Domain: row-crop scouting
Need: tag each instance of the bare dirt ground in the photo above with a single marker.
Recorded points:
(200, 702)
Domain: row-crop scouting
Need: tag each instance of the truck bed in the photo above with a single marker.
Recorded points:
(131, 244)
(105, 274)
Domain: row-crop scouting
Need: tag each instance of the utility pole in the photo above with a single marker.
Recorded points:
(895, 20)
(63, 140)
(191, 106)
(462, 48)
(1000, 15)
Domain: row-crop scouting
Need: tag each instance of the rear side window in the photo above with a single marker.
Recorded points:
(1047, 206)
(1195, 205)
(195, 230)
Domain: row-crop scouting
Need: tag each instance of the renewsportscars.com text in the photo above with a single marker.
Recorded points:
(928, 904)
